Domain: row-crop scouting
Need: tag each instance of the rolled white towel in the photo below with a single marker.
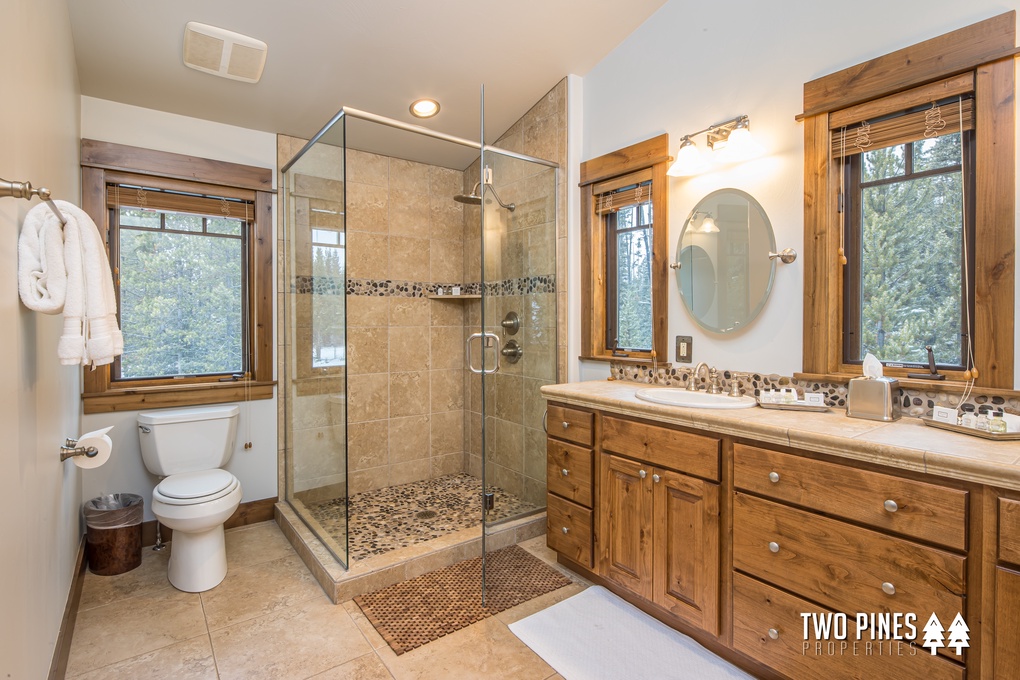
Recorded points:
(72, 260)
(42, 278)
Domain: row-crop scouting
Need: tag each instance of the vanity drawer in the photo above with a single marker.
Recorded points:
(569, 471)
(1009, 531)
(568, 529)
(693, 454)
(570, 424)
(842, 566)
(926, 511)
(767, 626)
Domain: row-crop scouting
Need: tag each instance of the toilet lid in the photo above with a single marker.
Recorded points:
(195, 484)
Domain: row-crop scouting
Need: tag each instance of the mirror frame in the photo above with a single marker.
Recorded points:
(756, 310)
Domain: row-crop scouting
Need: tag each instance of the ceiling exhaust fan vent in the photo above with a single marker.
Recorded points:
(223, 53)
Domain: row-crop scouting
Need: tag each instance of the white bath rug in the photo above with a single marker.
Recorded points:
(595, 635)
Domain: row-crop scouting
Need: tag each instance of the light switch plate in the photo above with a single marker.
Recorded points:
(684, 344)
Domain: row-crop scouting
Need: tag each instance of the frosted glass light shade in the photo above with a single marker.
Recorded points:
(741, 146)
(688, 161)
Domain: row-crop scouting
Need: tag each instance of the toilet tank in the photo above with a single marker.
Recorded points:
(187, 439)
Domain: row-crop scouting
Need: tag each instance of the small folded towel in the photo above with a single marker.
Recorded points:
(87, 298)
(42, 278)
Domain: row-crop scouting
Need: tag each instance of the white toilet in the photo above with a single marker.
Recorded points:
(187, 447)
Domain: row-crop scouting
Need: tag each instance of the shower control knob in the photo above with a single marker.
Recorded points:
(773, 546)
(774, 477)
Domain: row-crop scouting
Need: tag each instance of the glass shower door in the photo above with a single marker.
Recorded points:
(316, 332)
(518, 315)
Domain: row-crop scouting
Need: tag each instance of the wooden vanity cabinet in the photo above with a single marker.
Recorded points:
(659, 528)
(1007, 591)
(570, 472)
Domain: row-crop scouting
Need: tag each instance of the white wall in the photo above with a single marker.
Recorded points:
(255, 468)
(39, 403)
(690, 66)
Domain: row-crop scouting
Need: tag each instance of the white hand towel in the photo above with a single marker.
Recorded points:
(91, 335)
(42, 279)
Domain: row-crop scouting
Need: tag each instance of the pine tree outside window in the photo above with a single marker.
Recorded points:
(905, 284)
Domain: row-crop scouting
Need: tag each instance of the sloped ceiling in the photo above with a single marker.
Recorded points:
(375, 56)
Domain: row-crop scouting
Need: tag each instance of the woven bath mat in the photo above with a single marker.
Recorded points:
(412, 613)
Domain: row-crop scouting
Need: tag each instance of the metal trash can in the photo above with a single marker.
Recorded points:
(113, 533)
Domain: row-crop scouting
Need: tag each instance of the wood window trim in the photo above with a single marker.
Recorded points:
(985, 53)
(652, 155)
(104, 163)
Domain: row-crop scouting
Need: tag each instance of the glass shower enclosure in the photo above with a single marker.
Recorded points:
(418, 324)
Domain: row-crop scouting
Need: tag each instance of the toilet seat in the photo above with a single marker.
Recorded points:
(191, 488)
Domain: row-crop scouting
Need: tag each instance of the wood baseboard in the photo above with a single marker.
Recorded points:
(251, 512)
(62, 650)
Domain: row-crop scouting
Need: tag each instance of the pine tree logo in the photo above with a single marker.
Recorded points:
(959, 634)
(933, 630)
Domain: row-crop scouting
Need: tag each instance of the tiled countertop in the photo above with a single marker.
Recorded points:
(907, 443)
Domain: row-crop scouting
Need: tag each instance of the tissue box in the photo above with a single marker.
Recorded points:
(873, 399)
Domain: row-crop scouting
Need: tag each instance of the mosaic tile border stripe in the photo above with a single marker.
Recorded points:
(915, 403)
(325, 285)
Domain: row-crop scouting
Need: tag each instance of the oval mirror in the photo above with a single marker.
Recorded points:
(725, 274)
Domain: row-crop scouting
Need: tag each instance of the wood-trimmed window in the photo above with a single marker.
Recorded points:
(623, 253)
(974, 62)
(224, 208)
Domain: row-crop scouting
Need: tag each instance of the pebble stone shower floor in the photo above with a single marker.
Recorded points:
(398, 516)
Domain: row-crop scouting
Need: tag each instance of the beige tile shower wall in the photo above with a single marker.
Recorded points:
(534, 244)
(405, 355)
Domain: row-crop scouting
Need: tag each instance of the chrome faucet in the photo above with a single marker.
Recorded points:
(692, 386)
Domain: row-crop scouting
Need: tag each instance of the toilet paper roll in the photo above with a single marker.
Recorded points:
(101, 441)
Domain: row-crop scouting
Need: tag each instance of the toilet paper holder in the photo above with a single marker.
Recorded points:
(70, 449)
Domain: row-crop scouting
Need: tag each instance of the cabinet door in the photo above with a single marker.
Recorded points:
(1007, 623)
(625, 539)
(686, 548)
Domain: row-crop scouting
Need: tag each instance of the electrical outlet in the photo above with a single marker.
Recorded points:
(684, 344)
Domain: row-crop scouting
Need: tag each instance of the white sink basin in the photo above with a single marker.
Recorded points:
(675, 396)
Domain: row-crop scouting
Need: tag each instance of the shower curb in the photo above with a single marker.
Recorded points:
(380, 571)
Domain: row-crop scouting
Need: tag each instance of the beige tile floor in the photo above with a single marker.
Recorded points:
(269, 619)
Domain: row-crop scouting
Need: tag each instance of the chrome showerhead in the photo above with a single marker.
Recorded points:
(475, 199)
(470, 199)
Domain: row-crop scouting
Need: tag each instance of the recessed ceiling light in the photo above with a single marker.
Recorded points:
(424, 108)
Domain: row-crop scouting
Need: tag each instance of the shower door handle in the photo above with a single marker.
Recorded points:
(486, 338)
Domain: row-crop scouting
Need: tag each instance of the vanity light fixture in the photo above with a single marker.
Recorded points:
(424, 108)
(730, 138)
(708, 225)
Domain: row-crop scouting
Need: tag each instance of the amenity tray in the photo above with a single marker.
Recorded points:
(795, 406)
(973, 432)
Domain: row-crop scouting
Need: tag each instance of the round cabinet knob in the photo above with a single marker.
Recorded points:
(774, 477)
(891, 506)
(565, 424)
(656, 478)
(565, 472)
(773, 633)
(642, 474)
(566, 530)
(773, 546)
(888, 588)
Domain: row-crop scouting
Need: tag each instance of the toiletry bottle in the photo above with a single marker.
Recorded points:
(996, 423)
(982, 418)
(968, 419)
(789, 396)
